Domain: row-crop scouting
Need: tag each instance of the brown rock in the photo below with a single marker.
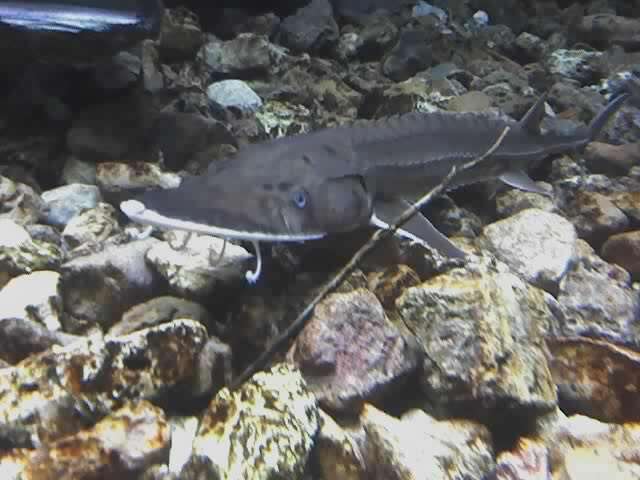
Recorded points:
(629, 203)
(54, 394)
(388, 284)
(596, 217)
(21, 337)
(600, 155)
(157, 311)
(98, 288)
(603, 30)
(596, 378)
(624, 250)
(119, 446)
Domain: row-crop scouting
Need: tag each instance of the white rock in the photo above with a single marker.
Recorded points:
(417, 446)
(34, 296)
(481, 17)
(538, 245)
(12, 235)
(191, 263)
(234, 93)
(183, 432)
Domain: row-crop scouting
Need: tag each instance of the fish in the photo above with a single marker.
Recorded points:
(74, 31)
(333, 180)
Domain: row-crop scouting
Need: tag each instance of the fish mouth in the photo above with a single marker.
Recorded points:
(138, 212)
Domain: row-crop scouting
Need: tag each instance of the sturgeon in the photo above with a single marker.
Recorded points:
(308, 186)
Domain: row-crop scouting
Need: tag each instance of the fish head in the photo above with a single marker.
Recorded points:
(263, 196)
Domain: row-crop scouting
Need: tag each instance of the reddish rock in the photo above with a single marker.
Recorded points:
(596, 378)
(350, 352)
(624, 250)
(602, 156)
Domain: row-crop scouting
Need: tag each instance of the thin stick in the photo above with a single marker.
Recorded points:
(376, 238)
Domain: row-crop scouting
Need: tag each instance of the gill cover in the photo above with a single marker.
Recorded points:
(342, 204)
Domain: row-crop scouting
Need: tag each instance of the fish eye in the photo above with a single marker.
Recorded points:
(300, 198)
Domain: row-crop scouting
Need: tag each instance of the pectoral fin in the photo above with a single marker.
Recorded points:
(418, 228)
(519, 179)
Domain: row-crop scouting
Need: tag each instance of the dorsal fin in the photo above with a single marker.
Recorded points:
(531, 120)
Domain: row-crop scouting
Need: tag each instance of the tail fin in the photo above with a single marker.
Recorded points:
(601, 119)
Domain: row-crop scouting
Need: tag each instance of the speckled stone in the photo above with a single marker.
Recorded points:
(263, 430)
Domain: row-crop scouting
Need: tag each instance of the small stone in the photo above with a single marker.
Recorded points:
(603, 30)
(114, 177)
(470, 102)
(180, 36)
(64, 203)
(529, 460)
(629, 203)
(157, 311)
(597, 300)
(95, 376)
(13, 235)
(572, 64)
(28, 257)
(112, 131)
(92, 226)
(45, 234)
(337, 453)
(22, 337)
(33, 296)
(582, 448)
(606, 158)
(481, 330)
(78, 171)
(246, 54)
(236, 94)
(596, 378)
(376, 37)
(280, 119)
(98, 288)
(265, 429)
(412, 53)
(183, 432)
(119, 446)
(531, 45)
(182, 137)
(422, 9)
(595, 216)
(536, 244)
(350, 353)
(624, 249)
(19, 202)
(417, 446)
(481, 18)
(311, 29)
(193, 266)
(513, 201)
(119, 72)
(388, 284)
